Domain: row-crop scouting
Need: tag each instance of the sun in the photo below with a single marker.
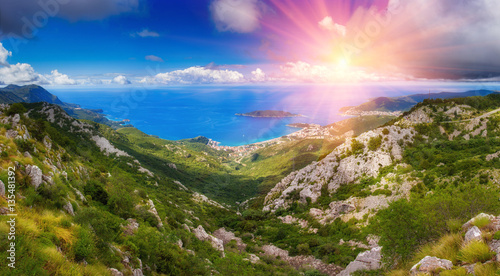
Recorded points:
(343, 63)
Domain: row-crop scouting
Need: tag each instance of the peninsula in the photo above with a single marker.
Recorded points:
(268, 114)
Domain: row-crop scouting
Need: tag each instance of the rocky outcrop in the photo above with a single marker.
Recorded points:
(152, 210)
(197, 197)
(35, 175)
(368, 260)
(131, 227)
(202, 235)
(431, 265)
(301, 262)
(106, 147)
(227, 236)
(346, 164)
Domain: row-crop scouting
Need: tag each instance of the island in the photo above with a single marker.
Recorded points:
(268, 114)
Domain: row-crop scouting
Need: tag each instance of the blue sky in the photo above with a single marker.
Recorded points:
(154, 42)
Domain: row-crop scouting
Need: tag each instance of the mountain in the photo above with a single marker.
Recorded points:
(93, 200)
(34, 93)
(30, 94)
(404, 103)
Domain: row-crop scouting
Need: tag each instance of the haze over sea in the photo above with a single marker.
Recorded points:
(175, 113)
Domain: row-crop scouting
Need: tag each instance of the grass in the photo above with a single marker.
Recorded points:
(475, 251)
(481, 222)
(485, 269)
(446, 248)
(455, 272)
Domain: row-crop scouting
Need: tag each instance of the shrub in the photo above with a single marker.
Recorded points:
(16, 108)
(84, 246)
(496, 236)
(385, 131)
(475, 251)
(374, 143)
(96, 191)
(303, 249)
(357, 147)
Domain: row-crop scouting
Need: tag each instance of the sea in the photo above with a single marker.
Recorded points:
(182, 112)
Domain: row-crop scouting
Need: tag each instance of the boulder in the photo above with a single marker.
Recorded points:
(473, 234)
(202, 235)
(430, 265)
(368, 260)
(35, 174)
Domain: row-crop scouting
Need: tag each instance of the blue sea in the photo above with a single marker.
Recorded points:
(175, 113)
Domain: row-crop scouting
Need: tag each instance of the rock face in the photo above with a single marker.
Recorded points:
(346, 164)
(202, 235)
(115, 272)
(368, 260)
(35, 174)
(473, 234)
(431, 264)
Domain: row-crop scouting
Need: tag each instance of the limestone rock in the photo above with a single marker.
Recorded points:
(27, 154)
(69, 208)
(473, 234)
(47, 142)
(202, 235)
(106, 147)
(131, 227)
(2, 188)
(35, 174)
(152, 210)
(115, 272)
(368, 260)
(227, 236)
(431, 264)
(253, 258)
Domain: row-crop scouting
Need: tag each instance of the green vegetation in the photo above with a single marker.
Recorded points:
(475, 251)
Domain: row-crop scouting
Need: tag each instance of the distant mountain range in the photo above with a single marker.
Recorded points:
(34, 93)
(404, 103)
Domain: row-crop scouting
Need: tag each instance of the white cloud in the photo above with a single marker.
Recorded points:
(196, 75)
(146, 33)
(153, 58)
(4, 54)
(328, 24)
(121, 79)
(241, 16)
(258, 75)
(304, 72)
(20, 73)
(56, 78)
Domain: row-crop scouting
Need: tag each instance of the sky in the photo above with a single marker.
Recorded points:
(190, 42)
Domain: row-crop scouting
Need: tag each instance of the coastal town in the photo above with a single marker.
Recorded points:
(307, 131)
